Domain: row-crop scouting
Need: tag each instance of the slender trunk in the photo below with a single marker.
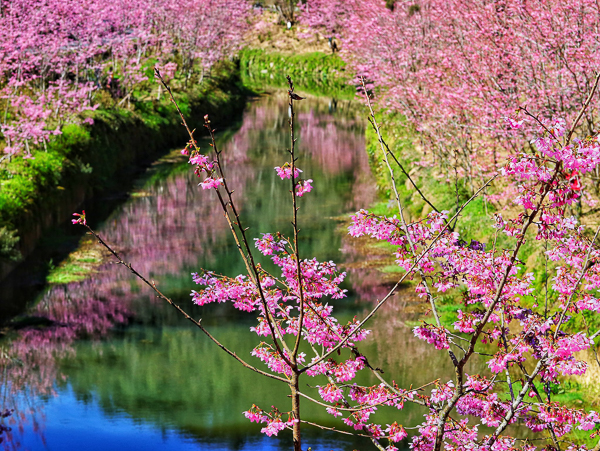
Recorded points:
(295, 389)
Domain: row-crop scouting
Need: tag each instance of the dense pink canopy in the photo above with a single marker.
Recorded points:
(459, 69)
(55, 53)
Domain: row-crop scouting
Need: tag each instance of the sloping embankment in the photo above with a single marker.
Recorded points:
(84, 160)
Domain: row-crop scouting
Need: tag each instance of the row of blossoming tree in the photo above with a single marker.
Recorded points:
(56, 54)
(456, 69)
(522, 332)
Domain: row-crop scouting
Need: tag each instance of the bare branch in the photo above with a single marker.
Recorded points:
(197, 323)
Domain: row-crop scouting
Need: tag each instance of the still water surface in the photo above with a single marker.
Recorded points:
(106, 366)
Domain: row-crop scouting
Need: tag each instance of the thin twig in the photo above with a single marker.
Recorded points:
(395, 287)
(197, 323)
(582, 111)
(295, 221)
(404, 170)
(585, 267)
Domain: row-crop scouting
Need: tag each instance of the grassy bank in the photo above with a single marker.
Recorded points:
(313, 73)
(38, 192)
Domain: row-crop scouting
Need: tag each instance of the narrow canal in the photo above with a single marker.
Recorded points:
(101, 364)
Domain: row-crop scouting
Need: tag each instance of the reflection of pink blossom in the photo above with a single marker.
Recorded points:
(178, 209)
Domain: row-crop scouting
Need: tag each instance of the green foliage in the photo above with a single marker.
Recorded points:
(313, 73)
(21, 179)
(8, 245)
(73, 135)
(448, 309)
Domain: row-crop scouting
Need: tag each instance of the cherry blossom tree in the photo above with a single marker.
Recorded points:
(521, 331)
(458, 69)
(54, 55)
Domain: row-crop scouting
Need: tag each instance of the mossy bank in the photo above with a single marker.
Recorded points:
(43, 191)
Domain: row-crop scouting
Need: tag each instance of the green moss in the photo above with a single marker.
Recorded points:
(73, 135)
(22, 179)
(67, 273)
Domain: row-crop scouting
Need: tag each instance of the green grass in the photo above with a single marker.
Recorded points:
(67, 273)
(313, 73)
(474, 221)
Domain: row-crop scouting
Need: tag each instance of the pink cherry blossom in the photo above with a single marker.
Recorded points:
(211, 182)
(285, 172)
(303, 187)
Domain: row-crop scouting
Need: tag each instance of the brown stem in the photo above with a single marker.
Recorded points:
(295, 222)
(511, 263)
(411, 244)
(295, 389)
(458, 368)
(294, 386)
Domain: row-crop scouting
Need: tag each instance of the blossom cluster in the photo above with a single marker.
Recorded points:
(275, 424)
(203, 164)
(281, 298)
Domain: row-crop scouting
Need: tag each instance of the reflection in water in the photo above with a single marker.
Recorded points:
(102, 363)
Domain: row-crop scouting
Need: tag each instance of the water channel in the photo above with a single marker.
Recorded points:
(104, 365)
